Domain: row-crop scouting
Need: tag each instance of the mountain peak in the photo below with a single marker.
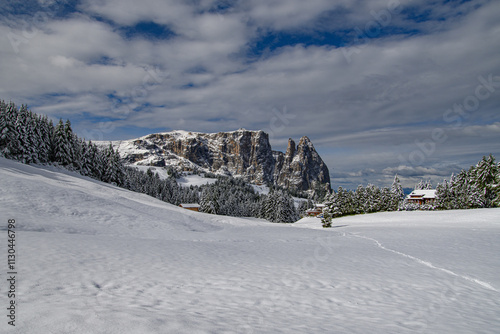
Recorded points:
(242, 153)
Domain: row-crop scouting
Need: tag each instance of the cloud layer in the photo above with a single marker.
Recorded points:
(381, 87)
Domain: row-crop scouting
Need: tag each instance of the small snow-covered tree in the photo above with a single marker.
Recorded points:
(329, 211)
(398, 194)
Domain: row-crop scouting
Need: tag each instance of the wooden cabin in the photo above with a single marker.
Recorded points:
(422, 197)
(316, 211)
(191, 206)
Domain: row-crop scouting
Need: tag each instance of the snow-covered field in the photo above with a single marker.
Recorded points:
(185, 180)
(93, 258)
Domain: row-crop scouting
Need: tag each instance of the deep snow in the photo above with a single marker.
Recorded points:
(93, 258)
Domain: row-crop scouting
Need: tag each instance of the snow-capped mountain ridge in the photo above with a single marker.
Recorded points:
(240, 153)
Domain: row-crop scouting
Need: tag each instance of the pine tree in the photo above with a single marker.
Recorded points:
(85, 162)
(495, 187)
(3, 124)
(114, 172)
(459, 193)
(420, 185)
(72, 143)
(331, 209)
(62, 151)
(208, 201)
(373, 197)
(444, 200)
(9, 139)
(285, 208)
(360, 199)
(484, 176)
(42, 138)
(269, 206)
(97, 163)
(397, 194)
(22, 143)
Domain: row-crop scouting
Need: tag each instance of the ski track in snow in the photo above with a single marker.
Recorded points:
(425, 263)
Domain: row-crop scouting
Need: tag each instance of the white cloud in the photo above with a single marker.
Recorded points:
(130, 12)
(65, 62)
(395, 90)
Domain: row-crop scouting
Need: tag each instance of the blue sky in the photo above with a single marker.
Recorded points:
(381, 87)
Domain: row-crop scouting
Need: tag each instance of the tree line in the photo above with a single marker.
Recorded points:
(31, 139)
(367, 199)
(34, 139)
(477, 187)
(235, 197)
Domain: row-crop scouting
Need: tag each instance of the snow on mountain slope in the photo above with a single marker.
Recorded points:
(240, 153)
(93, 258)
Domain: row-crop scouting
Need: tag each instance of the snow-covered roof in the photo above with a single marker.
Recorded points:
(426, 194)
(190, 205)
(314, 210)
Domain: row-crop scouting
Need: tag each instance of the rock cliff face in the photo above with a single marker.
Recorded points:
(239, 153)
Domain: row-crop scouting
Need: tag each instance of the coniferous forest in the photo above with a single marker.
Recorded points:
(34, 139)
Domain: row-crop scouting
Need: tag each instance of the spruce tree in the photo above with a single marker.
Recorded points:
(9, 139)
(444, 196)
(361, 199)
(397, 193)
(484, 175)
(62, 151)
(285, 208)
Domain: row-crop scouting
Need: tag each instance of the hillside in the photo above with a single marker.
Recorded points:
(94, 258)
(240, 153)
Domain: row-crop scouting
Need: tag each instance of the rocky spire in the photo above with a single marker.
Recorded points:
(239, 153)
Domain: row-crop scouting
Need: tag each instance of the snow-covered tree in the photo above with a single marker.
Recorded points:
(62, 149)
(285, 210)
(484, 175)
(278, 207)
(373, 197)
(444, 196)
(113, 171)
(330, 210)
(360, 199)
(208, 201)
(398, 194)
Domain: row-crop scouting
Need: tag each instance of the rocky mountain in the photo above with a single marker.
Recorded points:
(238, 153)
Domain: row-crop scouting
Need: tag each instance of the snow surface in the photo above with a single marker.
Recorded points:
(261, 189)
(162, 172)
(93, 258)
(187, 180)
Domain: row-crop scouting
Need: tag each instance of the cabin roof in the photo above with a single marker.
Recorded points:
(425, 194)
